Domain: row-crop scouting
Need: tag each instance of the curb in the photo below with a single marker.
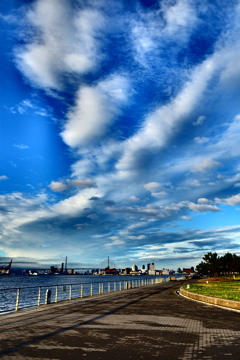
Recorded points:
(229, 304)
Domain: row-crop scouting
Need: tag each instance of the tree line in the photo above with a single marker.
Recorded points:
(215, 265)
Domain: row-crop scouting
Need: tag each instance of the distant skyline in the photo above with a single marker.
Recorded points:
(119, 131)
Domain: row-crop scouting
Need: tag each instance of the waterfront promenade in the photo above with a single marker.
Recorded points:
(151, 322)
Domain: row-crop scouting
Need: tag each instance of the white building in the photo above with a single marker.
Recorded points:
(165, 272)
(134, 268)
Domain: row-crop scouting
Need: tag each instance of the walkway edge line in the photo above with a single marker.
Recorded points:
(230, 304)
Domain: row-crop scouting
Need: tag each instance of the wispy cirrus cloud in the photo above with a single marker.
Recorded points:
(21, 146)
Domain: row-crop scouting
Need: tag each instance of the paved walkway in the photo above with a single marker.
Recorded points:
(145, 323)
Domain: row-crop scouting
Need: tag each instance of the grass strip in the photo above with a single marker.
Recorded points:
(229, 290)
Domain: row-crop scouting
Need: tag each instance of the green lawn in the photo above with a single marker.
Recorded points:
(225, 290)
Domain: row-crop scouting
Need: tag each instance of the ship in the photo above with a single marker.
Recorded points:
(4, 270)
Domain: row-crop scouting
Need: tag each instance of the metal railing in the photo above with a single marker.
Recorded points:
(25, 297)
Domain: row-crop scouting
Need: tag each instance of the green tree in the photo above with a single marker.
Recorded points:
(209, 265)
(230, 263)
(203, 268)
(212, 264)
(212, 259)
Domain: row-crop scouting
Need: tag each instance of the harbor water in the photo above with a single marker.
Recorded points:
(29, 291)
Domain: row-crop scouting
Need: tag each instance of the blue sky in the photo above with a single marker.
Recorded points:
(119, 131)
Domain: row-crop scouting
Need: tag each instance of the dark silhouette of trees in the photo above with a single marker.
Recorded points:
(215, 265)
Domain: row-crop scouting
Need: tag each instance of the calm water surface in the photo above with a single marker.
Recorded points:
(10, 282)
(61, 287)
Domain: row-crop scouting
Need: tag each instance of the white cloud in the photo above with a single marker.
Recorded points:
(3, 177)
(20, 211)
(201, 140)
(204, 201)
(152, 186)
(234, 200)
(26, 106)
(75, 205)
(199, 120)
(159, 194)
(132, 199)
(87, 119)
(21, 146)
(230, 74)
(92, 216)
(194, 183)
(203, 207)
(58, 186)
(87, 183)
(162, 124)
(95, 110)
(186, 218)
(149, 210)
(138, 237)
(65, 41)
(180, 18)
(206, 165)
(83, 167)
(115, 242)
(151, 30)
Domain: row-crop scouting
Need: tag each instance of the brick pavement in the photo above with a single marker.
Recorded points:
(144, 323)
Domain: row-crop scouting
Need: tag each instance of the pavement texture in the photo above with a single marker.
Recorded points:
(145, 323)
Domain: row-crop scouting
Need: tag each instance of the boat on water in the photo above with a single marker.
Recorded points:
(4, 270)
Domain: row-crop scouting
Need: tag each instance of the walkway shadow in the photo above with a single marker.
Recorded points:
(15, 348)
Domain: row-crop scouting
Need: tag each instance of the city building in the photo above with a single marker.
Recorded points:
(134, 268)
(188, 270)
(152, 270)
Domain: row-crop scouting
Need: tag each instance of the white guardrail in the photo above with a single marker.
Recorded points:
(21, 298)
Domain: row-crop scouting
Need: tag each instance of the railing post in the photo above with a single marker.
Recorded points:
(81, 291)
(115, 286)
(91, 289)
(56, 294)
(70, 292)
(120, 286)
(39, 296)
(109, 287)
(48, 297)
(99, 288)
(17, 299)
